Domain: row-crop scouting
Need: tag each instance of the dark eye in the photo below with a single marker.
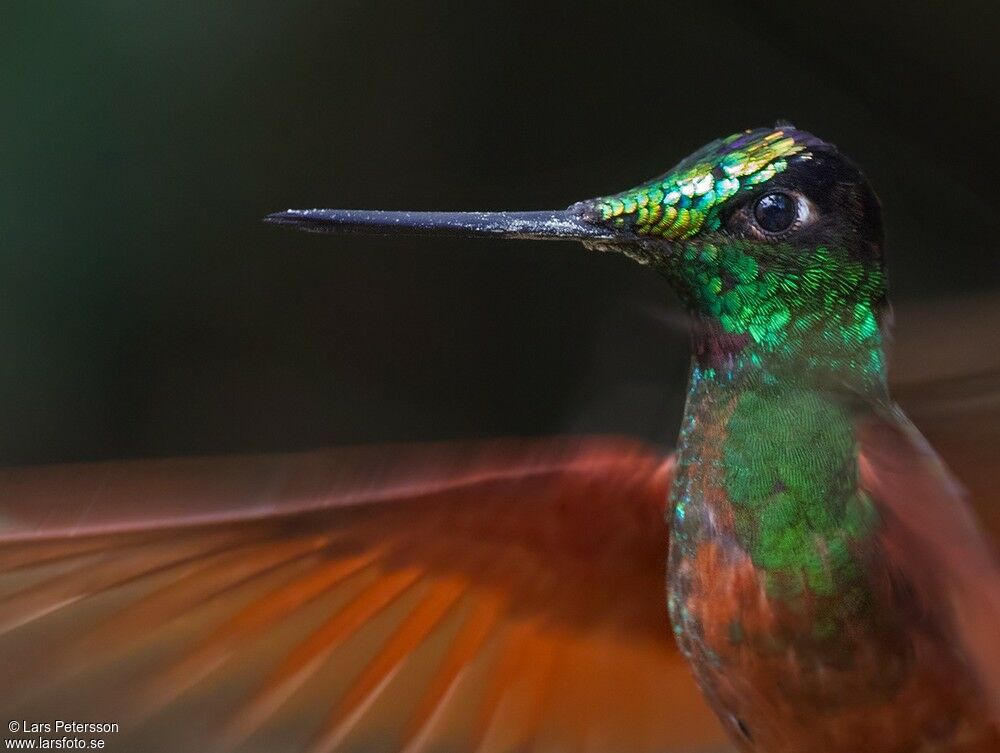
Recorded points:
(776, 212)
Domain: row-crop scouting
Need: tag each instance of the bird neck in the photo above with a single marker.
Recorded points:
(768, 455)
(838, 352)
(763, 315)
(771, 467)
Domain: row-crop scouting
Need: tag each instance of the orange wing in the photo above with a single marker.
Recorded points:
(491, 596)
(947, 378)
(949, 384)
(933, 539)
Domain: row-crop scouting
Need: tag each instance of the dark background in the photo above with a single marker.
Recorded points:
(145, 310)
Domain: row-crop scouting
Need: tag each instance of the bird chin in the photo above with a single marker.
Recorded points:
(652, 252)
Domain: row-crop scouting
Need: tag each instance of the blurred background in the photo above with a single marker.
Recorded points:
(145, 310)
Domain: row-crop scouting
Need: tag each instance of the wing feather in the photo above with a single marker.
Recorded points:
(933, 538)
(491, 596)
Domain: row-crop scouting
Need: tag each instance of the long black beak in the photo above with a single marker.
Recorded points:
(566, 224)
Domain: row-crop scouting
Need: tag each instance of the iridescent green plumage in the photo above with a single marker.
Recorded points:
(797, 512)
(679, 204)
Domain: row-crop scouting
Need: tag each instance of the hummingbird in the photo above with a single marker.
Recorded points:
(826, 582)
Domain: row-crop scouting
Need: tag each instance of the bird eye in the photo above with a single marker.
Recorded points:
(776, 212)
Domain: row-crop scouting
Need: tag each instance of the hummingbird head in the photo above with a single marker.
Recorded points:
(771, 237)
(779, 193)
(767, 235)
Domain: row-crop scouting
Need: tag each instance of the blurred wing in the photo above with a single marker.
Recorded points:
(942, 530)
(476, 596)
(932, 536)
(946, 375)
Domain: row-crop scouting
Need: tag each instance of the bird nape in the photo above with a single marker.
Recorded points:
(827, 582)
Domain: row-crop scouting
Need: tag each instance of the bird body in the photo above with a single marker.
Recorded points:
(801, 629)
(826, 581)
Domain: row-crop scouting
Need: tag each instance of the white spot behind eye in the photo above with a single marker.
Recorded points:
(804, 209)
